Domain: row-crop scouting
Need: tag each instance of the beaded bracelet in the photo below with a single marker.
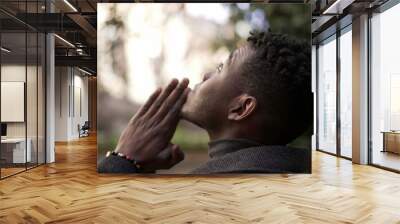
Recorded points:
(134, 162)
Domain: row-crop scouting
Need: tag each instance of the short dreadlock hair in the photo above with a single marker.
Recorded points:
(278, 74)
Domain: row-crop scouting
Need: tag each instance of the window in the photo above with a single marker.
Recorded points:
(385, 89)
(346, 92)
(327, 95)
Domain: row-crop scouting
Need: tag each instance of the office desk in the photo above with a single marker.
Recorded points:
(391, 141)
(13, 150)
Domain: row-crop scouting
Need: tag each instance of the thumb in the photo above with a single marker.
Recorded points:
(177, 155)
(167, 158)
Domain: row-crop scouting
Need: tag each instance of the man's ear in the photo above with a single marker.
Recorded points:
(241, 107)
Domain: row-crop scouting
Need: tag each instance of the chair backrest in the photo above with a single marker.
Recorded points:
(86, 124)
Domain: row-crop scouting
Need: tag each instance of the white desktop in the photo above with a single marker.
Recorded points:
(18, 144)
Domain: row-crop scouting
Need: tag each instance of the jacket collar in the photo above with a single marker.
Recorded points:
(222, 147)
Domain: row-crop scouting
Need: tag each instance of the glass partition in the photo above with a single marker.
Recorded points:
(327, 95)
(14, 153)
(31, 99)
(41, 91)
(22, 91)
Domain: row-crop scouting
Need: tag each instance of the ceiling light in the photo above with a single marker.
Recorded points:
(333, 6)
(5, 50)
(84, 71)
(65, 41)
(338, 6)
(70, 5)
(80, 51)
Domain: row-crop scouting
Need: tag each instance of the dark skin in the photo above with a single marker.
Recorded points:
(148, 134)
(217, 104)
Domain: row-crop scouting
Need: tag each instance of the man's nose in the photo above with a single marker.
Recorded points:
(207, 76)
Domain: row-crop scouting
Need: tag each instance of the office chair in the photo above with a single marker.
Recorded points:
(84, 130)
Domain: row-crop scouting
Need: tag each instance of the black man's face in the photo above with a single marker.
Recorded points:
(207, 104)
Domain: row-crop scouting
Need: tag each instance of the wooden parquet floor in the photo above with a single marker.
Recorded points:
(71, 191)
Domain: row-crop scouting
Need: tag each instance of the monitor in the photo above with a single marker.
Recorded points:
(3, 129)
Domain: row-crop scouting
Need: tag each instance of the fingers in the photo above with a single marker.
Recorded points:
(149, 102)
(175, 155)
(161, 98)
(173, 113)
(165, 154)
(167, 158)
(172, 98)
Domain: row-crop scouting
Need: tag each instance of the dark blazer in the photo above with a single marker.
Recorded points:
(235, 156)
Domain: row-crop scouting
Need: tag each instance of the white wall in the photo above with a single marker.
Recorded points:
(80, 102)
(62, 81)
(12, 73)
(70, 84)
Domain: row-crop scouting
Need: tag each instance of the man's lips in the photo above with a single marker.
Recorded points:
(189, 95)
(190, 91)
(196, 87)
